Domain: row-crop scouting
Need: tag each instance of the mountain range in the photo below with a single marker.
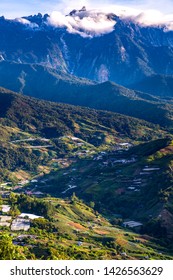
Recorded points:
(126, 55)
(50, 62)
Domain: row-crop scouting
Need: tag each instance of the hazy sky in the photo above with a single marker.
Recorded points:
(17, 8)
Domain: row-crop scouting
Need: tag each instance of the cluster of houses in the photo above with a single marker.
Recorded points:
(112, 158)
(139, 181)
(6, 188)
(22, 222)
(135, 183)
(77, 142)
(91, 152)
(114, 161)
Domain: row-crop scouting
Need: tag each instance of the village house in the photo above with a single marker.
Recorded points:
(133, 225)
(5, 208)
(20, 224)
(5, 221)
(30, 216)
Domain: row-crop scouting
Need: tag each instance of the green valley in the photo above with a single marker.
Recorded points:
(94, 178)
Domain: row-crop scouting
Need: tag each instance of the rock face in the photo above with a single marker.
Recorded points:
(126, 55)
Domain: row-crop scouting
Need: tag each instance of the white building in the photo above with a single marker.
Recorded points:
(5, 208)
(20, 224)
(29, 216)
(132, 224)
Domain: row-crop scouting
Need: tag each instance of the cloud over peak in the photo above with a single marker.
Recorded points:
(85, 23)
(93, 23)
(155, 18)
(97, 22)
(26, 22)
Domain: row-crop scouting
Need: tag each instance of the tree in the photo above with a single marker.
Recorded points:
(13, 198)
(8, 251)
(74, 198)
(14, 211)
(92, 204)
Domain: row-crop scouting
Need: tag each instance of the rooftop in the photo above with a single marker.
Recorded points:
(132, 224)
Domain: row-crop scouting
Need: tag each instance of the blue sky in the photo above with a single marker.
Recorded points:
(17, 8)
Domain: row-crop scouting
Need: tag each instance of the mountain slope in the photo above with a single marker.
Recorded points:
(54, 85)
(40, 81)
(75, 231)
(134, 185)
(32, 132)
(158, 85)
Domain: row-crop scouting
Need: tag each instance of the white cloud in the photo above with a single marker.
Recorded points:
(144, 12)
(26, 22)
(86, 23)
(96, 22)
(23, 21)
(153, 17)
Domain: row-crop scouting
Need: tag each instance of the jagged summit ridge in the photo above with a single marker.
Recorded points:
(73, 12)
